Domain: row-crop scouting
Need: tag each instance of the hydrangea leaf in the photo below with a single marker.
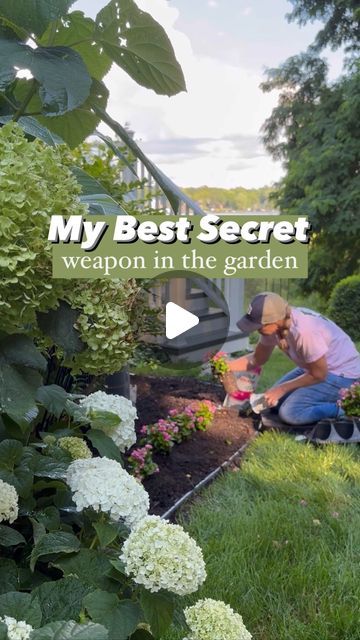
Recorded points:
(58, 324)
(70, 630)
(10, 537)
(49, 517)
(9, 575)
(21, 606)
(57, 542)
(48, 467)
(64, 81)
(105, 445)
(11, 452)
(89, 565)
(34, 15)
(18, 387)
(21, 350)
(62, 599)
(158, 609)
(104, 420)
(16, 466)
(120, 617)
(53, 398)
(19, 362)
(106, 532)
(139, 45)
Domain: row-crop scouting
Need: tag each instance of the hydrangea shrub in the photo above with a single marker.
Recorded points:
(81, 553)
(35, 183)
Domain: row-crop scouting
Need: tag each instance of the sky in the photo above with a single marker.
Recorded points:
(211, 135)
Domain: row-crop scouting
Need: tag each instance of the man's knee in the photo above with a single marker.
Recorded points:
(290, 413)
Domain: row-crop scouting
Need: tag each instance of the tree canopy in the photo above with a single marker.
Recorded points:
(314, 130)
(341, 20)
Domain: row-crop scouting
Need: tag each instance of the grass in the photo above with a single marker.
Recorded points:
(275, 368)
(281, 540)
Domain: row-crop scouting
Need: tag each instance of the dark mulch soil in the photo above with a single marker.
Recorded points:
(192, 460)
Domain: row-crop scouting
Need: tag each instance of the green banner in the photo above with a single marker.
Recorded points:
(232, 246)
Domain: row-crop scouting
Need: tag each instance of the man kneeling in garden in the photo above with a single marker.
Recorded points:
(326, 358)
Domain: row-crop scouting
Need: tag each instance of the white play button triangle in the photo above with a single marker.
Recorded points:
(178, 320)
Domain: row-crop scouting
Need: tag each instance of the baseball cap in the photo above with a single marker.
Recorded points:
(265, 308)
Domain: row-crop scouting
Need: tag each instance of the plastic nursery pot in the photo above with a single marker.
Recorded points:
(345, 428)
(229, 382)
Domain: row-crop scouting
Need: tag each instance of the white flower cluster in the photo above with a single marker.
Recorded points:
(8, 502)
(123, 433)
(104, 485)
(214, 620)
(17, 629)
(160, 555)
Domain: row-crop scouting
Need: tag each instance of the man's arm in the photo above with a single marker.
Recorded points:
(316, 372)
(261, 355)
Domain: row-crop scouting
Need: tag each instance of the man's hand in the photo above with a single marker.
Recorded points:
(272, 396)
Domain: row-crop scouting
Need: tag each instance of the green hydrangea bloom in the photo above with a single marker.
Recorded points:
(106, 323)
(34, 184)
(77, 447)
(214, 620)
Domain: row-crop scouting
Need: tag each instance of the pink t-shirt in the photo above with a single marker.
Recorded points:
(312, 336)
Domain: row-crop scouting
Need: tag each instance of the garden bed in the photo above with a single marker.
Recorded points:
(192, 460)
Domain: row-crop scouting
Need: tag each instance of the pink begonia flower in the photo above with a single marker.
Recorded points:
(173, 412)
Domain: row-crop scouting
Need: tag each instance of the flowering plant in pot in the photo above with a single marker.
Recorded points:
(221, 371)
(141, 462)
(350, 400)
(185, 421)
(204, 414)
(162, 435)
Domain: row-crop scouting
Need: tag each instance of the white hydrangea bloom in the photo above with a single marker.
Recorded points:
(214, 620)
(17, 629)
(123, 433)
(105, 486)
(8, 502)
(160, 555)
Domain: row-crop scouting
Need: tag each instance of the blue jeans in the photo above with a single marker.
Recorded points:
(310, 404)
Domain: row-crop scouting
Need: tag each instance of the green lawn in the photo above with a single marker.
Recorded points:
(281, 539)
(275, 368)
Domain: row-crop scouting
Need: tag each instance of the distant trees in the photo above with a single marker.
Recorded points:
(315, 131)
(237, 199)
